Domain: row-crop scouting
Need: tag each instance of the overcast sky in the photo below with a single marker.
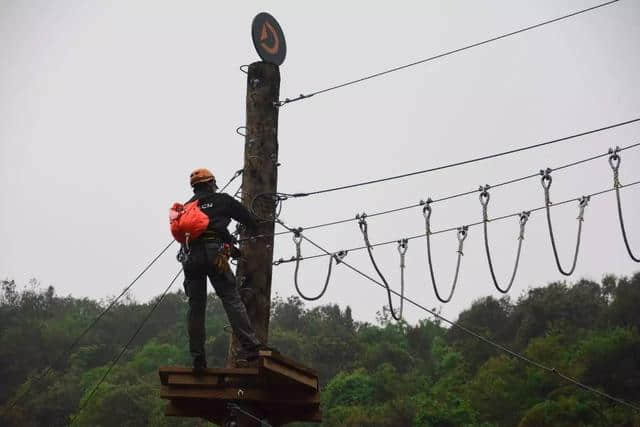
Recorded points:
(105, 108)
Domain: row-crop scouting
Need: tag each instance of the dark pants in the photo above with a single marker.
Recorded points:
(200, 265)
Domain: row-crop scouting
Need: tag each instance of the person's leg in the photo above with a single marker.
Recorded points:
(195, 286)
(224, 283)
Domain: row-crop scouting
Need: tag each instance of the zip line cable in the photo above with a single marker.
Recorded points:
(457, 229)
(465, 162)
(442, 55)
(75, 342)
(481, 337)
(124, 348)
(453, 196)
(105, 311)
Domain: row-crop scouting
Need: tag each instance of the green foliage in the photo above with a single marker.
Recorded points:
(385, 374)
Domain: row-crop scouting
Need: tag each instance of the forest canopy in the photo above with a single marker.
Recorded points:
(382, 374)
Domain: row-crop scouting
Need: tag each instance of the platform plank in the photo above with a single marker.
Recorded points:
(279, 388)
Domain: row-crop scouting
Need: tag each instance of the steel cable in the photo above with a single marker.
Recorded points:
(450, 229)
(124, 348)
(614, 162)
(449, 197)
(362, 223)
(297, 239)
(485, 339)
(442, 55)
(468, 161)
(86, 330)
(462, 235)
(583, 202)
(524, 217)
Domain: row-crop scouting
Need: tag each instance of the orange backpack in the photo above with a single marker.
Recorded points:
(187, 222)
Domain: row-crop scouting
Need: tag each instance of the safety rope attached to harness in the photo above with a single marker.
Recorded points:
(362, 223)
(614, 162)
(462, 235)
(524, 217)
(583, 202)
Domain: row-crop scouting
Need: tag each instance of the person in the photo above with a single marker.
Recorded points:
(208, 256)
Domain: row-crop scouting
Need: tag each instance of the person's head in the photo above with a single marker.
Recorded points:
(202, 179)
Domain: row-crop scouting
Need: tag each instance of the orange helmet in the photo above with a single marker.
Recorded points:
(201, 175)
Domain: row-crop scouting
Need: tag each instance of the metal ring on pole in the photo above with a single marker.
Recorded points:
(524, 216)
(362, 223)
(240, 133)
(462, 235)
(297, 239)
(582, 204)
(614, 162)
(242, 68)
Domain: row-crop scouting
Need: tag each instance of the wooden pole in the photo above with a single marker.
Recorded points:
(259, 181)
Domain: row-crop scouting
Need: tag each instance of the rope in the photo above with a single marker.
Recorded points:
(582, 204)
(297, 239)
(235, 408)
(462, 235)
(235, 175)
(447, 230)
(362, 223)
(465, 162)
(614, 162)
(77, 340)
(485, 339)
(524, 217)
(124, 348)
(442, 55)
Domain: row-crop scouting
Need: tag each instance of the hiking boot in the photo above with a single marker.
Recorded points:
(252, 353)
(199, 365)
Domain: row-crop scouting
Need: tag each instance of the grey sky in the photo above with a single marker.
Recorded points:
(105, 107)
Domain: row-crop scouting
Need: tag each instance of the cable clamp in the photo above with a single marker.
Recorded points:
(362, 221)
(583, 203)
(523, 218)
(403, 245)
(462, 235)
(546, 178)
(340, 255)
(426, 210)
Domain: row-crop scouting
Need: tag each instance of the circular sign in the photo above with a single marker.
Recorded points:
(268, 38)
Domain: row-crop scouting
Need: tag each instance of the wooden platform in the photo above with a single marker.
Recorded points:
(275, 388)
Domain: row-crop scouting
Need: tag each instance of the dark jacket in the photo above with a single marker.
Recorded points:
(221, 209)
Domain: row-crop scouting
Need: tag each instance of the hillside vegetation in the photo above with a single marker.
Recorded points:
(383, 374)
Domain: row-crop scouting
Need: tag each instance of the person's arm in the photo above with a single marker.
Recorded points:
(238, 212)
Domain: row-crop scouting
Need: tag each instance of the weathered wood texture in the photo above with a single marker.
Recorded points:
(260, 177)
(277, 389)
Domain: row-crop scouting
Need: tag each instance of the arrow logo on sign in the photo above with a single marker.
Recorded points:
(264, 36)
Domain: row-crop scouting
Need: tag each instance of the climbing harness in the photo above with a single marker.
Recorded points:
(523, 218)
(362, 223)
(614, 162)
(462, 235)
(297, 239)
(583, 202)
(185, 250)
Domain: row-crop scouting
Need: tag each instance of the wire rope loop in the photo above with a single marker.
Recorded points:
(362, 223)
(522, 221)
(614, 162)
(297, 239)
(240, 133)
(244, 68)
(484, 195)
(403, 245)
(582, 204)
(462, 233)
